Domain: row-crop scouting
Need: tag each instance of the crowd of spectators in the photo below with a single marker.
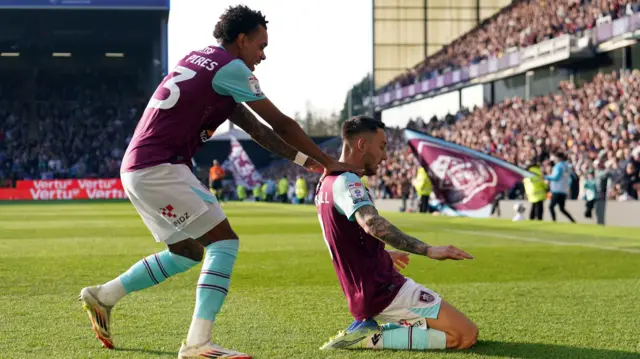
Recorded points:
(596, 125)
(77, 127)
(523, 23)
(84, 131)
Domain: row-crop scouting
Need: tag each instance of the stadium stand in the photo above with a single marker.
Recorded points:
(80, 130)
(72, 87)
(521, 24)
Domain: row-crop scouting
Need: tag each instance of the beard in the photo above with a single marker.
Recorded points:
(370, 170)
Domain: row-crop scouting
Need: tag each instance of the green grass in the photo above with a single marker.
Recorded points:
(529, 299)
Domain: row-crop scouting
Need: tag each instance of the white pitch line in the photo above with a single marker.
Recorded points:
(546, 241)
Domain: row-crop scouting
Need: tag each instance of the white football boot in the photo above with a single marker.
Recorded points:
(354, 336)
(99, 314)
(208, 350)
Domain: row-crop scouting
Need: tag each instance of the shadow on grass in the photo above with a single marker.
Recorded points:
(546, 351)
(146, 351)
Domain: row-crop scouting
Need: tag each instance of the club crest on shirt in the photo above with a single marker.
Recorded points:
(254, 85)
(426, 297)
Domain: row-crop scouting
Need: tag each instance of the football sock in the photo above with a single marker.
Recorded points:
(407, 338)
(213, 285)
(149, 271)
(111, 292)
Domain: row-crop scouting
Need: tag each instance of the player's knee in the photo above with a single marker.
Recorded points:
(468, 338)
(221, 232)
(453, 340)
(189, 249)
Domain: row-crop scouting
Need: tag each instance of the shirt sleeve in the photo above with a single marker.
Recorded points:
(349, 194)
(557, 172)
(236, 80)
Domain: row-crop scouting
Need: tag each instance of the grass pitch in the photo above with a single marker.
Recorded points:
(536, 290)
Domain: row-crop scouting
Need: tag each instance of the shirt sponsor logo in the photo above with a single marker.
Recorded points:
(356, 190)
(254, 85)
(167, 211)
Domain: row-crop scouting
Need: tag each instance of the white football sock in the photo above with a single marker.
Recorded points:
(111, 292)
(199, 331)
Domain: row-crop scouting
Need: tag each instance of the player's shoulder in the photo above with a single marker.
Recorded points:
(237, 66)
(235, 70)
(350, 177)
(343, 177)
(347, 181)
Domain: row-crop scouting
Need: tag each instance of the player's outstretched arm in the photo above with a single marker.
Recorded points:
(267, 138)
(374, 224)
(289, 130)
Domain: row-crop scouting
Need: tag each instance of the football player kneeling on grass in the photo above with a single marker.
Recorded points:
(390, 310)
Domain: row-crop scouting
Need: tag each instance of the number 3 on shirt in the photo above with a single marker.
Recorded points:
(181, 73)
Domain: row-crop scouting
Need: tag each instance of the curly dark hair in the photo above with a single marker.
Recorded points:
(238, 20)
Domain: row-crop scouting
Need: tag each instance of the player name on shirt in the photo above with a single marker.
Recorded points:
(201, 61)
(322, 198)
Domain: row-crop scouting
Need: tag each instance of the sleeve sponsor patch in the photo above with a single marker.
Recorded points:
(357, 192)
(254, 85)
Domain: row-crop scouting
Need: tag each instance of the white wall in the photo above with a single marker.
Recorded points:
(473, 96)
(440, 106)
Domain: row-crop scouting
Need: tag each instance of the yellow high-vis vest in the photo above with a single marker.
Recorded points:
(535, 187)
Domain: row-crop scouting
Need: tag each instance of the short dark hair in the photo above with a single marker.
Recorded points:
(561, 156)
(238, 20)
(360, 124)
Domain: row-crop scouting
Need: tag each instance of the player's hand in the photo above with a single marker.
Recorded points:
(313, 166)
(400, 259)
(447, 252)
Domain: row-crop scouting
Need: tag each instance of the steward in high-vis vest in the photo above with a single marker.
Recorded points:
(257, 192)
(301, 189)
(365, 181)
(241, 192)
(283, 188)
(536, 190)
(422, 185)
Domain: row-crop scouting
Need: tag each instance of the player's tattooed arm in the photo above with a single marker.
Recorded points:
(376, 225)
(266, 137)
